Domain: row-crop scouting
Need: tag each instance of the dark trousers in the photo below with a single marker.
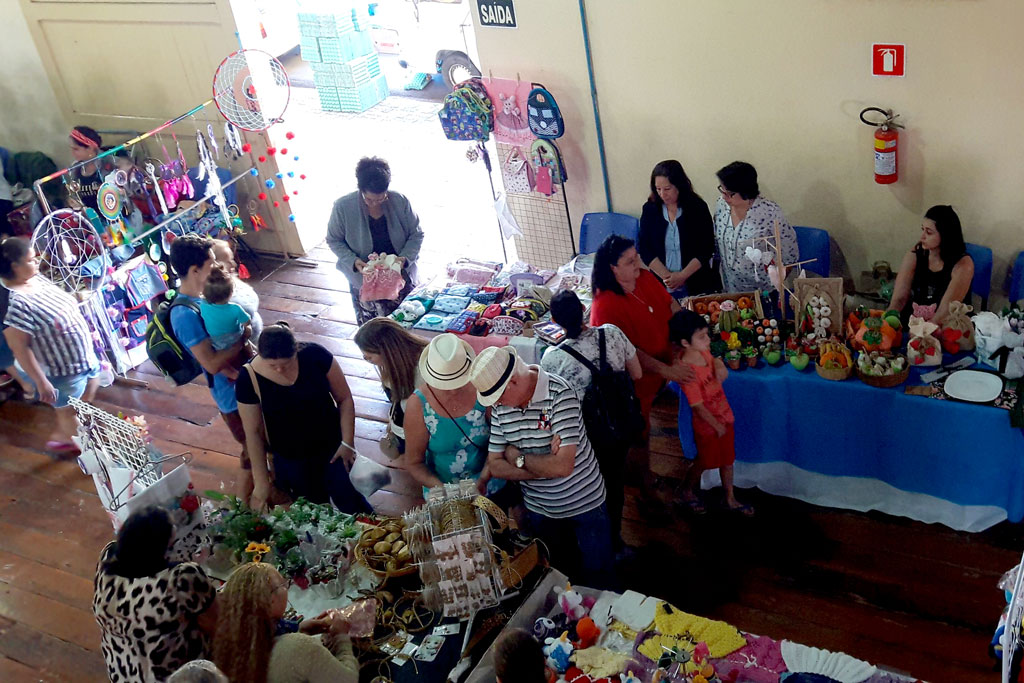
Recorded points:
(368, 310)
(612, 462)
(6, 206)
(318, 480)
(580, 546)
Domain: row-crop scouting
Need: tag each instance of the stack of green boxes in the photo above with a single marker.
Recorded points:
(337, 44)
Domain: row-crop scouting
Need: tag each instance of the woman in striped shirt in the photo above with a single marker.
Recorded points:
(50, 338)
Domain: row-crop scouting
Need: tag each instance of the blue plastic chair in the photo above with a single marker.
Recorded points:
(815, 243)
(595, 227)
(1017, 279)
(982, 282)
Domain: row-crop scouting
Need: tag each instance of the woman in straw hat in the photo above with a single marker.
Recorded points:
(446, 428)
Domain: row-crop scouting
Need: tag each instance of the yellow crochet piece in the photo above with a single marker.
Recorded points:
(722, 638)
(597, 662)
(627, 632)
(654, 647)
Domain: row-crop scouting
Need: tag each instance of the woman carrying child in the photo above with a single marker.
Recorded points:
(712, 417)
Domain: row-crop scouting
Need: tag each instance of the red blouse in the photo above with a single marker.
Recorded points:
(631, 313)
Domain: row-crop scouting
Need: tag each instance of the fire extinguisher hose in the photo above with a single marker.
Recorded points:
(889, 122)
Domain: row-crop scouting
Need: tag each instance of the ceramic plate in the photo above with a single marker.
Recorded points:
(974, 386)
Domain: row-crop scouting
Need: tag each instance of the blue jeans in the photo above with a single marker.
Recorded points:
(67, 385)
(580, 544)
(319, 480)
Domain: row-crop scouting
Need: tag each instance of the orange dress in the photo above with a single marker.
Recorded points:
(643, 316)
(713, 451)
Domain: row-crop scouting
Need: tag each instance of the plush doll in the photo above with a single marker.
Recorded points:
(587, 633)
(558, 652)
(571, 603)
(410, 311)
(958, 321)
(923, 349)
(924, 312)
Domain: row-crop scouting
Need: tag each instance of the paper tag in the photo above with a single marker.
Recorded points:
(407, 652)
(447, 629)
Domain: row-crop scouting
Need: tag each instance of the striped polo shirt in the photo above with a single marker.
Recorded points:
(553, 409)
(61, 340)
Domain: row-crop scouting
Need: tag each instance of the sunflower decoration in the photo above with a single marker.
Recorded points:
(257, 550)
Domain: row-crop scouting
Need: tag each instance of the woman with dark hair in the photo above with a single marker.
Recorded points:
(395, 352)
(85, 182)
(374, 219)
(247, 647)
(743, 215)
(620, 355)
(48, 335)
(938, 270)
(677, 236)
(147, 606)
(631, 298)
(297, 408)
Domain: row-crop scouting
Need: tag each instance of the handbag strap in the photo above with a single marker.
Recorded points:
(259, 399)
(449, 416)
(582, 359)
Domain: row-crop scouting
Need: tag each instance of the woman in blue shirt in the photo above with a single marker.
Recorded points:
(677, 236)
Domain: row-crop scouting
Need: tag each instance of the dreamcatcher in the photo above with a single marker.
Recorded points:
(251, 89)
(110, 204)
(71, 253)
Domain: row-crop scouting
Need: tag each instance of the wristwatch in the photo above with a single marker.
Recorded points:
(520, 461)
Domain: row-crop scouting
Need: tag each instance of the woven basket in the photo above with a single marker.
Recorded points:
(834, 375)
(373, 562)
(885, 381)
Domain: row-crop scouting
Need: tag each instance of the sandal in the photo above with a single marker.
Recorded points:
(745, 510)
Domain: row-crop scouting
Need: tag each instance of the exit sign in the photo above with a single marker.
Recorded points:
(888, 59)
(500, 13)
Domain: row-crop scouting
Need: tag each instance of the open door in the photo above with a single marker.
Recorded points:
(130, 65)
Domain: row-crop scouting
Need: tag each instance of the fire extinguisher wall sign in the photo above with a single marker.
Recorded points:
(886, 142)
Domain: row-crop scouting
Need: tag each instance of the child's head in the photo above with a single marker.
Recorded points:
(690, 330)
(224, 254)
(218, 287)
(519, 658)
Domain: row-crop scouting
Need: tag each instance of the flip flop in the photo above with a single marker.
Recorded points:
(745, 510)
(64, 447)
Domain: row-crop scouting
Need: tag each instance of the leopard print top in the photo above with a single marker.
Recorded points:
(149, 624)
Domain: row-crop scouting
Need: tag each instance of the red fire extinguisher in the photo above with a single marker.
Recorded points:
(887, 139)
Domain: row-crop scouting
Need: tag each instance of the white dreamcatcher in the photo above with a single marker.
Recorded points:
(71, 252)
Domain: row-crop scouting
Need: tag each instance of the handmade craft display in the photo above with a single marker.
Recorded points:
(834, 361)
(382, 278)
(999, 341)
(818, 303)
(957, 332)
(882, 370)
(924, 348)
(874, 330)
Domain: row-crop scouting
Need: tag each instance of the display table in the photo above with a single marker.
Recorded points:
(849, 445)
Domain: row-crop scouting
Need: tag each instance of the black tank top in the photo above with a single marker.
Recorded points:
(928, 287)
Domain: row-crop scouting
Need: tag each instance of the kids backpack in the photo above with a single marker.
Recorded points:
(170, 357)
(467, 112)
(543, 115)
(545, 154)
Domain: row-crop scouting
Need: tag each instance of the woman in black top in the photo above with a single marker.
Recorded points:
(300, 411)
(85, 145)
(938, 270)
(677, 236)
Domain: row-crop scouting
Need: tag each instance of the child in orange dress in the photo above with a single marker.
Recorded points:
(712, 417)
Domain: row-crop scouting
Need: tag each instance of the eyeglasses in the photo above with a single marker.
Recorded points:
(375, 201)
(726, 193)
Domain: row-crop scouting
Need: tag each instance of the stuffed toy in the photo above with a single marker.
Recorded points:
(587, 633)
(571, 603)
(558, 652)
(958, 321)
(382, 278)
(410, 311)
(924, 312)
(923, 349)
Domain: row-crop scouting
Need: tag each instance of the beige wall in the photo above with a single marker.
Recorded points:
(780, 84)
(29, 116)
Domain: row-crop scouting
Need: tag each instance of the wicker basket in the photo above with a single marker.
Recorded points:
(755, 297)
(836, 375)
(885, 381)
(373, 562)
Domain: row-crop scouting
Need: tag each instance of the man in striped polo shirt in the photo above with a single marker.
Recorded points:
(538, 439)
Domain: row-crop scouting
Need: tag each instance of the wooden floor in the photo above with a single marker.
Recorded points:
(915, 598)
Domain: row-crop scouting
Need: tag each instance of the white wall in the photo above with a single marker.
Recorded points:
(30, 118)
(780, 84)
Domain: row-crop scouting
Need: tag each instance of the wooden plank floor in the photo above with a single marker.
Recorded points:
(912, 597)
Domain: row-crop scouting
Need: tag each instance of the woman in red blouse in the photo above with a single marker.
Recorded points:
(631, 298)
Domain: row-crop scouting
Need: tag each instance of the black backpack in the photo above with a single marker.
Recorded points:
(611, 410)
(168, 354)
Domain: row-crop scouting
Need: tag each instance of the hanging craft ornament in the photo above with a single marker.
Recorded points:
(233, 140)
(110, 205)
(213, 140)
(251, 89)
(70, 251)
(151, 172)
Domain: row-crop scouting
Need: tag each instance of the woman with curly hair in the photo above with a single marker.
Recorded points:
(246, 647)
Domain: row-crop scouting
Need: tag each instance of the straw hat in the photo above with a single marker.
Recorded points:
(445, 363)
(491, 372)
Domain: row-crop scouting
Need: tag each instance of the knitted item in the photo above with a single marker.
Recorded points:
(721, 638)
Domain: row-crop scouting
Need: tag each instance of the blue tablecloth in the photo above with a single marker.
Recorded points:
(937, 461)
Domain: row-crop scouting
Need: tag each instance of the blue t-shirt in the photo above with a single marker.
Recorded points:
(224, 322)
(188, 328)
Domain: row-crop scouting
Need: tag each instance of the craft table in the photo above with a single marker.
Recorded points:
(849, 445)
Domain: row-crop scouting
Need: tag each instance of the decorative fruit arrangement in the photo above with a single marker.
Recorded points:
(832, 356)
(767, 331)
(772, 355)
(874, 330)
(383, 548)
(799, 360)
(875, 364)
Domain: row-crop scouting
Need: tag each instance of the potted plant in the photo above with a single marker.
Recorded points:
(750, 353)
(732, 357)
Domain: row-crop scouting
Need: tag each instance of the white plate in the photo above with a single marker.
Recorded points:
(974, 386)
